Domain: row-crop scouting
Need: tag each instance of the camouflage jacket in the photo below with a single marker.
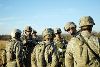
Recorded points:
(44, 55)
(61, 48)
(28, 43)
(14, 52)
(79, 55)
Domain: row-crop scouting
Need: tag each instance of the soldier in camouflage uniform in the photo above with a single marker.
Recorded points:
(45, 54)
(3, 57)
(61, 46)
(35, 36)
(70, 27)
(58, 36)
(13, 49)
(28, 43)
(84, 49)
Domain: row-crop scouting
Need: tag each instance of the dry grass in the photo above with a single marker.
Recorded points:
(2, 46)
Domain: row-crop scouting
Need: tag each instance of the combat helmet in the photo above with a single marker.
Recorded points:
(13, 33)
(47, 31)
(69, 25)
(86, 20)
(57, 30)
(28, 28)
(34, 31)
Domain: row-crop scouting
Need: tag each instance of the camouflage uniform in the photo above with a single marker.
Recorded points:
(61, 46)
(4, 60)
(44, 54)
(28, 45)
(13, 49)
(78, 54)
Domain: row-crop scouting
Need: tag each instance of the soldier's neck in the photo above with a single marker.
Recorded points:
(86, 33)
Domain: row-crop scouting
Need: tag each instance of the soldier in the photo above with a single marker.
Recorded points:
(3, 55)
(35, 36)
(27, 36)
(28, 44)
(58, 36)
(45, 54)
(70, 27)
(61, 46)
(13, 49)
(84, 49)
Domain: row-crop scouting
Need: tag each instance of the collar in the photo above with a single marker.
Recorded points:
(86, 34)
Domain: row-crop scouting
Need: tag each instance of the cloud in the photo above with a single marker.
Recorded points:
(10, 18)
(5, 7)
(6, 18)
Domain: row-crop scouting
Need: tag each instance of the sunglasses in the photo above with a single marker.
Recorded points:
(70, 29)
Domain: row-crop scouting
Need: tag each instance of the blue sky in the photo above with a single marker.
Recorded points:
(41, 14)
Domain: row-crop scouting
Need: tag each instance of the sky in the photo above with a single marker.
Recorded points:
(41, 14)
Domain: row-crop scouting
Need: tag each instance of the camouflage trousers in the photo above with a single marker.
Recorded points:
(61, 62)
(27, 61)
(12, 64)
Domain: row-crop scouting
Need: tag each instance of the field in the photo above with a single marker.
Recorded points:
(2, 46)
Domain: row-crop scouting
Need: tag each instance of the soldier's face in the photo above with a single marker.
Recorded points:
(58, 35)
(48, 37)
(71, 31)
(28, 32)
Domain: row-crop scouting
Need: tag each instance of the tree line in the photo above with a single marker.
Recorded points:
(66, 36)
